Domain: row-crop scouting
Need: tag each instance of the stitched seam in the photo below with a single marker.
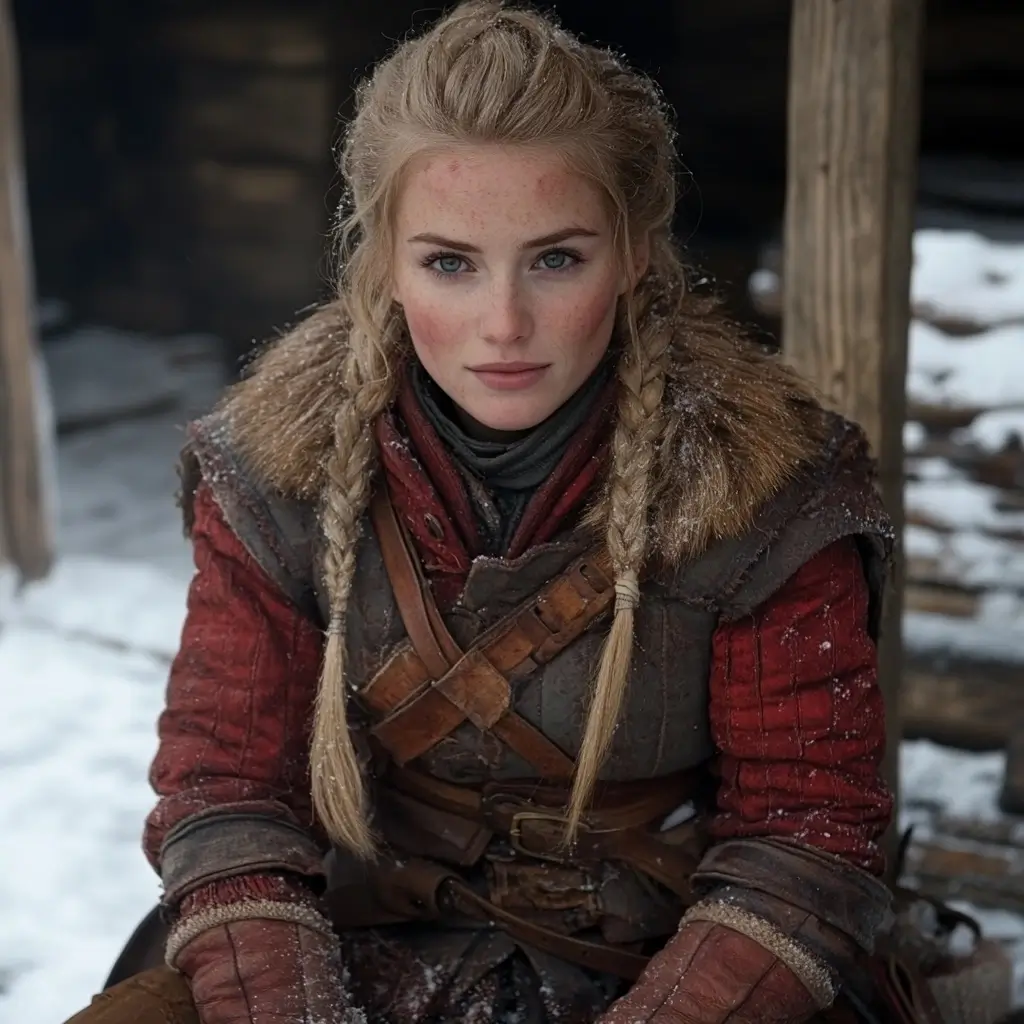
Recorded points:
(238, 974)
(749, 996)
(683, 968)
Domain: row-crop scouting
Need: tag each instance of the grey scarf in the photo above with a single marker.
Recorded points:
(502, 476)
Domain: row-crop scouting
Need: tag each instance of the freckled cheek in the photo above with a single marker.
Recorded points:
(430, 326)
(584, 321)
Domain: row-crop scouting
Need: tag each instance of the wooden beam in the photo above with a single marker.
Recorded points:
(854, 98)
(25, 532)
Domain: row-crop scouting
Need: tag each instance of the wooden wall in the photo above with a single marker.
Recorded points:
(179, 151)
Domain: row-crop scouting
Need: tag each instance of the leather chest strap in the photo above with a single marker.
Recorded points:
(429, 688)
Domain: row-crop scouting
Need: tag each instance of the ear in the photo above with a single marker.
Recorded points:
(641, 258)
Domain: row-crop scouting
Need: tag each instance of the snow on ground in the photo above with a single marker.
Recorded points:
(963, 277)
(83, 662)
(84, 655)
(968, 372)
(77, 734)
(966, 359)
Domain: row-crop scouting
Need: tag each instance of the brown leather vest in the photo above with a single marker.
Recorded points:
(446, 849)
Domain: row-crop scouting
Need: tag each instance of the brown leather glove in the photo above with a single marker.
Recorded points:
(709, 973)
(259, 960)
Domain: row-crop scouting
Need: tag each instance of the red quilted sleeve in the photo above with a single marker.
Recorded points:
(235, 728)
(797, 716)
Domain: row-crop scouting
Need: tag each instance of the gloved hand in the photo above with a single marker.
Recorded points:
(710, 974)
(282, 967)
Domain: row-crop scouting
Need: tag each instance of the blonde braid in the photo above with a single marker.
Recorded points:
(339, 793)
(641, 373)
(491, 72)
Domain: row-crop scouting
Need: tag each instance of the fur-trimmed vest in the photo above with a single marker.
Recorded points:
(753, 479)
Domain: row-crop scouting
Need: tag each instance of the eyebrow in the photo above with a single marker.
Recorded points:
(534, 243)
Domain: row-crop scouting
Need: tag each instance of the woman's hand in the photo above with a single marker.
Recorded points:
(257, 950)
(260, 971)
(711, 974)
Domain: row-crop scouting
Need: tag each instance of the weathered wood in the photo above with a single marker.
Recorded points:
(940, 600)
(986, 874)
(25, 534)
(268, 204)
(1000, 831)
(261, 38)
(1003, 469)
(962, 701)
(253, 114)
(852, 157)
(1011, 795)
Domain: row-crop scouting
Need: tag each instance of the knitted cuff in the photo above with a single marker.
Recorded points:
(189, 928)
(812, 972)
(258, 886)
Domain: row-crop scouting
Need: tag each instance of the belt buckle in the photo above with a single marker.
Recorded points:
(572, 852)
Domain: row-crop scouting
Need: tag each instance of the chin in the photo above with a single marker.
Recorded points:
(510, 416)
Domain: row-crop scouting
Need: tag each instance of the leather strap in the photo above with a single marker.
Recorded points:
(597, 956)
(423, 890)
(615, 806)
(435, 647)
(620, 825)
(429, 687)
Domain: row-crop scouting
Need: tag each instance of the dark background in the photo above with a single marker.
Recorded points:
(180, 164)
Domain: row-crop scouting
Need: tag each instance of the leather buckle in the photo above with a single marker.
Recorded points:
(587, 845)
(538, 832)
(515, 835)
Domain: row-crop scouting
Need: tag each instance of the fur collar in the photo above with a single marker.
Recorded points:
(739, 425)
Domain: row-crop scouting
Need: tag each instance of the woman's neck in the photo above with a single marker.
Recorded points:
(481, 432)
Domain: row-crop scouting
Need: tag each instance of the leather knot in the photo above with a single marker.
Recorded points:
(627, 592)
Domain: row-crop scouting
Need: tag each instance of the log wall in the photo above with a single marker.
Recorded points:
(179, 153)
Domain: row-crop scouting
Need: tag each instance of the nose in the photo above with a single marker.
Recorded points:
(506, 318)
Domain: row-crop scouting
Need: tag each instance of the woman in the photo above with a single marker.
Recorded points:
(531, 596)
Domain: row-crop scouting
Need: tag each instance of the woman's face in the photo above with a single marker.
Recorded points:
(505, 268)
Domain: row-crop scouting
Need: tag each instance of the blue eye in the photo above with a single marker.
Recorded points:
(559, 259)
(448, 264)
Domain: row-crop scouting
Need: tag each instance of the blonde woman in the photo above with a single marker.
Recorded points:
(529, 667)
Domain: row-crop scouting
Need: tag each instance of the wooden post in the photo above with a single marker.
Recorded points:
(25, 530)
(854, 97)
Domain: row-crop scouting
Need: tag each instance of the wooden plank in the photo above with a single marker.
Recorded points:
(25, 530)
(985, 874)
(999, 831)
(944, 417)
(853, 118)
(262, 38)
(1011, 795)
(961, 701)
(253, 114)
(940, 600)
(1003, 469)
(266, 204)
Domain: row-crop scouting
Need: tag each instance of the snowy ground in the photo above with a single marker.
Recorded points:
(83, 663)
(83, 660)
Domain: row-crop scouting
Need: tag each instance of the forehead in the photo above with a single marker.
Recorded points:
(482, 186)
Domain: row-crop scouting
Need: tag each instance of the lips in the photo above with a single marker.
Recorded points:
(508, 367)
(509, 376)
